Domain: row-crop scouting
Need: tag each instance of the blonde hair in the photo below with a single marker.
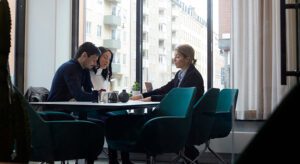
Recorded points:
(187, 51)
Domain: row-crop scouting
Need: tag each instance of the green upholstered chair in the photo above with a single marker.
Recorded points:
(40, 94)
(164, 131)
(223, 117)
(203, 119)
(63, 140)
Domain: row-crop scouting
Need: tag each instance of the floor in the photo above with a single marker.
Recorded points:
(206, 158)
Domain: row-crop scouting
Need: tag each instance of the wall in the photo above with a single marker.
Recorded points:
(48, 40)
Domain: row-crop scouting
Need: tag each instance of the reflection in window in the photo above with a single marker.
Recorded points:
(115, 35)
(162, 27)
(88, 27)
(116, 11)
(98, 30)
(145, 36)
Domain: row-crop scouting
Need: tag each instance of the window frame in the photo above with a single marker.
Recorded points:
(20, 42)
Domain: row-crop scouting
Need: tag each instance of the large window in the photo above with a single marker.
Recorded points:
(172, 22)
(166, 24)
(221, 43)
(112, 24)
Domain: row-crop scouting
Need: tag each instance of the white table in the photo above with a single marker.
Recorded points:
(84, 107)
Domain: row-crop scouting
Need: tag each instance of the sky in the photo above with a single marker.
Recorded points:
(201, 10)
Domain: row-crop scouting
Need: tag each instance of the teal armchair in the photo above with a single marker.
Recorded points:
(164, 131)
(224, 116)
(203, 120)
(63, 140)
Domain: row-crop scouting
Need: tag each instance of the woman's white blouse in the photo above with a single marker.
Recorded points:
(98, 81)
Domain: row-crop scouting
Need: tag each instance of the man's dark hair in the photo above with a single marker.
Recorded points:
(89, 48)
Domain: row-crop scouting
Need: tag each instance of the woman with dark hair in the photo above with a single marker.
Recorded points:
(101, 74)
(100, 77)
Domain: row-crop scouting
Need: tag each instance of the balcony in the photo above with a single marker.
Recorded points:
(112, 44)
(145, 45)
(163, 4)
(175, 41)
(224, 44)
(175, 12)
(114, 1)
(145, 27)
(112, 20)
(116, 67)
(162, 51)
(146, 63)
(162, 35)
(145, 10)
(176, 27)
(162, 19)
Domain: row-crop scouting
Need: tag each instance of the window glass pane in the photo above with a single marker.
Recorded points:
(112, 24)
(12, 6)
(221, 43)
(166, 24)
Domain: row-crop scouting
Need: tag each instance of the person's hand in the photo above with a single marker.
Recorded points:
(147, 99)
(136, 97)
(101, 90)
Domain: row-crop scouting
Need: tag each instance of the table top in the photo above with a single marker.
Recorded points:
(88, 106)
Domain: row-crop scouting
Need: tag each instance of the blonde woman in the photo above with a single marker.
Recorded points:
(187, 76)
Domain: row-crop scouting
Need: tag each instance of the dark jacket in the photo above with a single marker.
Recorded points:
(71, 81)
(192, 78)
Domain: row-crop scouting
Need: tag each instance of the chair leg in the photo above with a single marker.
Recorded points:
(216, 155)
(177, 158)
(89, 161)
(201, 153)
(184, 157)
(150, 159)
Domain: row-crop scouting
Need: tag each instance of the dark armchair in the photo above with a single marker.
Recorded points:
(224, 116)
(63, 140)
(203, 119)
(163, 131)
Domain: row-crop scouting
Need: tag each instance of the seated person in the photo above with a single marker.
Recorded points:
(187, 76)
(100, 77)
(72, 80)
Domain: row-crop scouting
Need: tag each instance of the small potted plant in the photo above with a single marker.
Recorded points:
(136, 89)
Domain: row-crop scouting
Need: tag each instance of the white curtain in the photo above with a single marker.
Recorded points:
(256, 57)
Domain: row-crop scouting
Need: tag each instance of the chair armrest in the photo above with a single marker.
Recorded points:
(73, 128)
(77, 137)
(168, 133)
(223, 116)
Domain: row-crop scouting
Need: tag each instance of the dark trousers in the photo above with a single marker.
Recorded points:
(113, 157)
